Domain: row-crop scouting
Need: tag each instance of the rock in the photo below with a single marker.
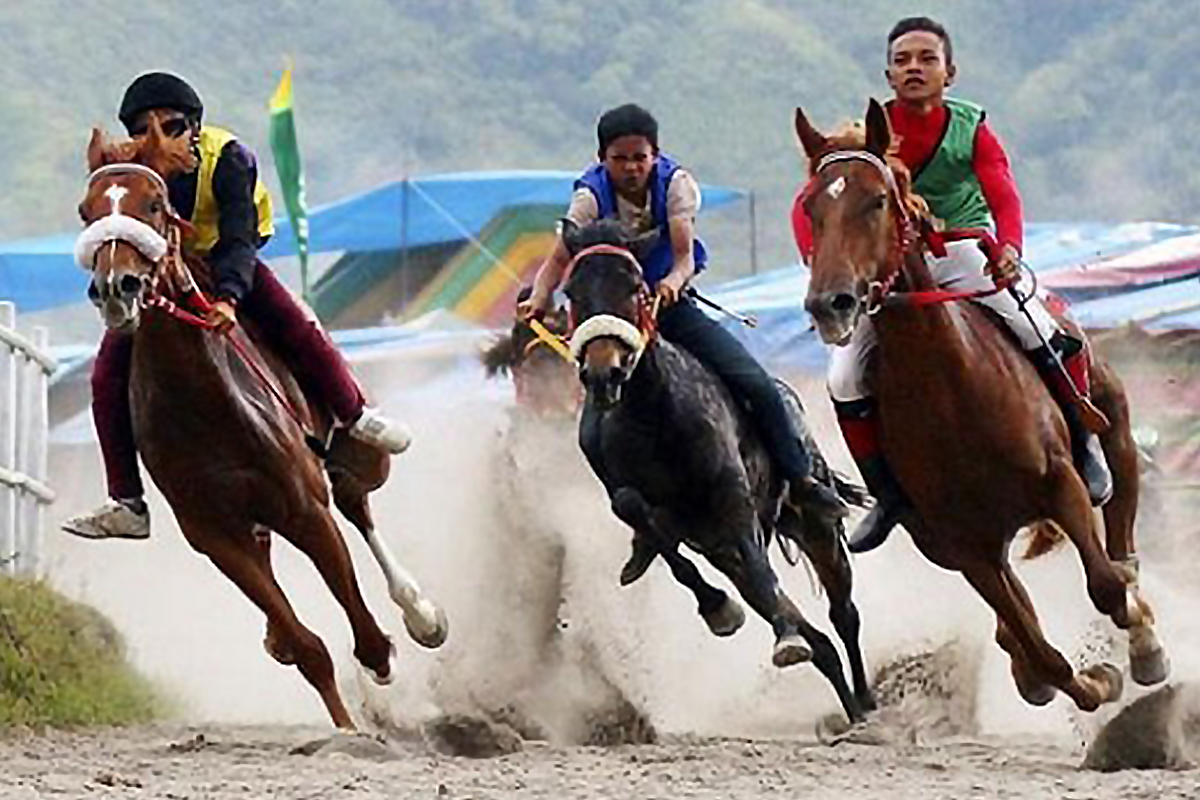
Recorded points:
(1158, 731)
(355, 745)
(473, 737)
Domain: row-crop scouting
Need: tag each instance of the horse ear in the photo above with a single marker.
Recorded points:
(812, 141)
(95, 150)
(569, 231)
(641, 246)
(879, 130)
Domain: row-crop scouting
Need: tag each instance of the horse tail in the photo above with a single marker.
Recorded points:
(1042, 537)
(499, 357)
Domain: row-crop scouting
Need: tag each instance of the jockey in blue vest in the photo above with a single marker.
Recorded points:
(646, 189)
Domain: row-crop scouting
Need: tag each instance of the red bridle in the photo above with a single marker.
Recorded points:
(647, 321)
(910, 234)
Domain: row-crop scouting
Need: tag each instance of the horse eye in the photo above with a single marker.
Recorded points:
(156, 206)
(878, 203)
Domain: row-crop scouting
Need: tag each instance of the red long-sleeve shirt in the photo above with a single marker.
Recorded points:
(919, 136)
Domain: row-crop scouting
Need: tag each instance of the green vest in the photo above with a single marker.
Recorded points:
(948, 182)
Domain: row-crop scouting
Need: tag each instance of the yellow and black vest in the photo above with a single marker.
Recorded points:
(206, 215)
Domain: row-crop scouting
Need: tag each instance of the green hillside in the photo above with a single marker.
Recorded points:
(1096, 100)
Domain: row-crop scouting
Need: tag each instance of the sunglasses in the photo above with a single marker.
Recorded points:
(173, 128)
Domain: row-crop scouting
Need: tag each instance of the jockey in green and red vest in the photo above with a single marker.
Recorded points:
(229, 209)
(646, 190)
(961, 171)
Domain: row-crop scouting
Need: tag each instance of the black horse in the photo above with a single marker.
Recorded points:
(684, 462)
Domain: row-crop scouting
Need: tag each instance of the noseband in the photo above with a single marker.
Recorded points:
(636, 337)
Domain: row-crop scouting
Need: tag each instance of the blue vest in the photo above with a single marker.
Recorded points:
(657, 265)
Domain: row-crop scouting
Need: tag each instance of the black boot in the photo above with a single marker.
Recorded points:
(1086, 451)
(890, 506)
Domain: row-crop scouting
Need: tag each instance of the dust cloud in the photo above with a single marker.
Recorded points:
(501, 522)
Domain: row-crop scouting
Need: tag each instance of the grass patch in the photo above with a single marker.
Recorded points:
(63, 664)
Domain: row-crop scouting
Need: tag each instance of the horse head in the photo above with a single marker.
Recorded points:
(609, 304)
(544, 379)
(862, 210)
(129, 223)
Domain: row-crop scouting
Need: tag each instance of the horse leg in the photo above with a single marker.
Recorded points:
(275, 642)
(237, 559)
(796, 639)
(1148, 660)
(424, 620)
(721, 613)
(318, 538)
(1073, 513)
(823, 545)
(1089, 689)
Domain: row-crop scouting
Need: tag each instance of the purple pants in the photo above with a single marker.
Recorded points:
(289, 330)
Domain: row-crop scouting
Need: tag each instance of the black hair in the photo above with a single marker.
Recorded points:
(626, 120)
(925, 24)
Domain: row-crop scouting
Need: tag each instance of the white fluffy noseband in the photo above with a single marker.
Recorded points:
(603, 325)
(118, 227)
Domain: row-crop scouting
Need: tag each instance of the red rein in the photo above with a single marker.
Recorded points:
(881, 293)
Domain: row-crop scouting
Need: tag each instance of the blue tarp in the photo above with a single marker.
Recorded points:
(40, 273)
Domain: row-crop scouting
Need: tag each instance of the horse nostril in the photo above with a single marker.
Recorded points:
(130, 285)
(843, 302)
(93, 293)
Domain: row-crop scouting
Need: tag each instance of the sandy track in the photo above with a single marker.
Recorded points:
(242, 762)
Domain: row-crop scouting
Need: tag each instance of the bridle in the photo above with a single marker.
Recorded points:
(164, 249)
(636, 336)
(911, 233)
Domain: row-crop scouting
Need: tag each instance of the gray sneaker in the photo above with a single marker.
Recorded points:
(113, 520)
(376, 429)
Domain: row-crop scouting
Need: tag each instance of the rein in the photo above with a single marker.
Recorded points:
(882, 293)
(191, 294)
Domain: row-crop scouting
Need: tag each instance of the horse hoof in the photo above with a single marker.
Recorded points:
(1151, 667)
(1109, 680)
(1038, 694)
(727, 619)
(384, 678)
(791, 650)
(431, 629)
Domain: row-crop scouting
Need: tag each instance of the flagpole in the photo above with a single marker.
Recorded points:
(286, 149)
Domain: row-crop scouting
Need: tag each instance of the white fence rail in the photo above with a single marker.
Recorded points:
(25, 369)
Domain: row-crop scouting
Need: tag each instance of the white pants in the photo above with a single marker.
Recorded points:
(964, 269)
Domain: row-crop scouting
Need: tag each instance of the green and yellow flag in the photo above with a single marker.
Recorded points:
(286, 151)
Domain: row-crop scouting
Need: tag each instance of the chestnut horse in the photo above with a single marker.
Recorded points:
(971, 431)
(224, 430)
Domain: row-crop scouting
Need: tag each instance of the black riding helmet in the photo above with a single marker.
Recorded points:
(159, 90)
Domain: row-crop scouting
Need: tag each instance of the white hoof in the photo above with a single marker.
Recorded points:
(430, 626)
(790, 650)
(727, 619)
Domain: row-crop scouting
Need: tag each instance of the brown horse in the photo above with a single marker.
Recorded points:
(221, 425)
(545, 376)
(972, 433)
